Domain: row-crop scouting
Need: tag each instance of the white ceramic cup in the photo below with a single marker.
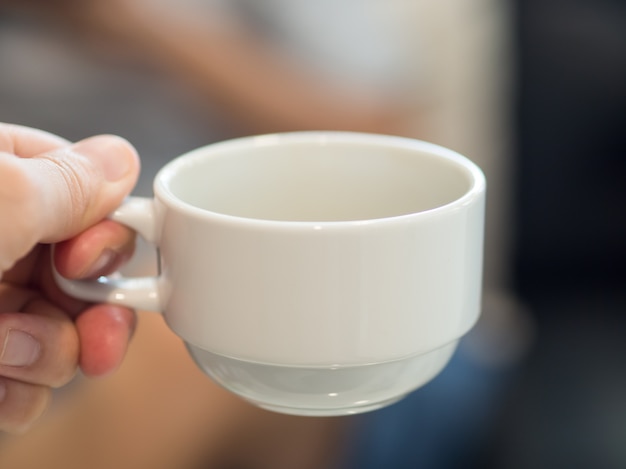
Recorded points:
(312, 273)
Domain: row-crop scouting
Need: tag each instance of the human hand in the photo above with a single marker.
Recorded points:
(52, 191)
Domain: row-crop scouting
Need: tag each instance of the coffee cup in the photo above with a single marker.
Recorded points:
(311, 273)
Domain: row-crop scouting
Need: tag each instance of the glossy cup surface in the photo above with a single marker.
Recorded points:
(312, 273)
(328, 263)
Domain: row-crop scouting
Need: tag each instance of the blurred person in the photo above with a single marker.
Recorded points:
(205, 70)
(264, 77)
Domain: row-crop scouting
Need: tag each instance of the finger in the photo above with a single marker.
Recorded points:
(38, 346)
(80, 185)
(21, 404)
(58, 194)
(104, 332)
(26, 142)
(99, 250)
(33, 274)
(44, 346)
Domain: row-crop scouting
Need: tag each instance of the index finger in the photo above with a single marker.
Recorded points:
(26, 142)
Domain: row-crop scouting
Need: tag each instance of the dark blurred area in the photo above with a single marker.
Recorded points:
(571, 161)
(567, 408)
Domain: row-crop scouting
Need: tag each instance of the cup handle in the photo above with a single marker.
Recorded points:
(139, 292)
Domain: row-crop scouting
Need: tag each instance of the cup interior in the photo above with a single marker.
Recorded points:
(318, 177)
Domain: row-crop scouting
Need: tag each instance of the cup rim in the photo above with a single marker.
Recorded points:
(164, 193)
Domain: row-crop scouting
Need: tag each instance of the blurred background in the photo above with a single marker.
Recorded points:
(534, 91)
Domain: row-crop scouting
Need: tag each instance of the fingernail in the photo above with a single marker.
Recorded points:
(103, 264)
(113, 155)
(20, 349)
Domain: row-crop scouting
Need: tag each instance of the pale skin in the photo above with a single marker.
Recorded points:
(53, 191)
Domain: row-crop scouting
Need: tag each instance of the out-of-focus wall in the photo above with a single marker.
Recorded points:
(469, 65)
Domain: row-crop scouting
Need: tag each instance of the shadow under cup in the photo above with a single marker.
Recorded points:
(354, 265)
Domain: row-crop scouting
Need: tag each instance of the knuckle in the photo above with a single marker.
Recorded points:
(74, 183)
(17, 186)
(16, 194)
(16, 180)
(62, 363)
(70, 355)
(57, 362)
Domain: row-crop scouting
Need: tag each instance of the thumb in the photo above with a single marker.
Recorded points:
(79, 185)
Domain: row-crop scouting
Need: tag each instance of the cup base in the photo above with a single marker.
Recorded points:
(323, 391)
(301, 412)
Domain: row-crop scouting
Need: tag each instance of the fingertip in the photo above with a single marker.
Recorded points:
(104, 332)
(99, 250)
(113, 155)
(78, 186)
